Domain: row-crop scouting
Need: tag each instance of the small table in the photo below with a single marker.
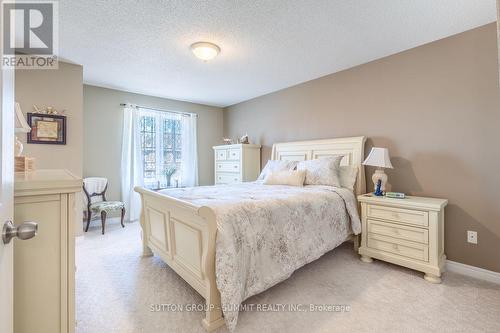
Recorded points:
(407, 232)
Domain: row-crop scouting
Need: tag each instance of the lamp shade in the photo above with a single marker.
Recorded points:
(379, 157)
(21, 125)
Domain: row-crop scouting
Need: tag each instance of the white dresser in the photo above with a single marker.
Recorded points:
(236, 163)
(407, 232)
(44, 267)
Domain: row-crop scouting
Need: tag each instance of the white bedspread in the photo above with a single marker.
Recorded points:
(266, 232)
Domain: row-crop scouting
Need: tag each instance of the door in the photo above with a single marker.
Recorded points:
(6, 197)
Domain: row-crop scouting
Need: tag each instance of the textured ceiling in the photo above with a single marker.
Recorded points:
(143, 46)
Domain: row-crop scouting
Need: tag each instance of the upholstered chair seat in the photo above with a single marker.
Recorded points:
(106, 206)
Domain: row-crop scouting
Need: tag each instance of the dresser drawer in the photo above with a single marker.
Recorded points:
(413, 217)
(399, 247)
(221, 154)
(398, 231)
(234, 154)
(227, 178)
(228, 166)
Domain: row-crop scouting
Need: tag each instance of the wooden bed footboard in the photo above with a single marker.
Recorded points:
(183, 235)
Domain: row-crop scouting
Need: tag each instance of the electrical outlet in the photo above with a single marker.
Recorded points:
(472, 237)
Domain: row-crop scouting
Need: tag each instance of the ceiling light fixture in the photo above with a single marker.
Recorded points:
(205, 50)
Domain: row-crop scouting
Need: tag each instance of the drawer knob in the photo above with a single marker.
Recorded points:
(236, 167)
(395, 246)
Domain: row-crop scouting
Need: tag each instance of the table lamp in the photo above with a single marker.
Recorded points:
(379, 157)
(23, 163)
(20, 127)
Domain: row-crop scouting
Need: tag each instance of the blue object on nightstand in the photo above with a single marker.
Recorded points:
(378, 191)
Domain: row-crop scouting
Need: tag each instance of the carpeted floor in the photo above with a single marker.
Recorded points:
(116, 289)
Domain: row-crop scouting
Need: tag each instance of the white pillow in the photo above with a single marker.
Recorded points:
(277, 165)
(289, 177)
(347, 175)
(323, 171)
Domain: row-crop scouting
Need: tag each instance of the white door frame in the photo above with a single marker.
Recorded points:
(6, 197)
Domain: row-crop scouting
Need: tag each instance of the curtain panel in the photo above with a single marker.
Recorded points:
(132, 173)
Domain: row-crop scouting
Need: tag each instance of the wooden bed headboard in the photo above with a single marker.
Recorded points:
(353, 150)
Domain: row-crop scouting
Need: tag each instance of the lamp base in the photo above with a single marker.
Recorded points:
(18, 147)
(379, 179)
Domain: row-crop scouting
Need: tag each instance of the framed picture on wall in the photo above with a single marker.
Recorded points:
(47, 129)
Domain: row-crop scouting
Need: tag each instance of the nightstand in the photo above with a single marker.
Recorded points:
(407, 232)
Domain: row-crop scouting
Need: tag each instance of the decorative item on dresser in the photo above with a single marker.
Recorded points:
(236, 163)
(244, 139)
(227, 141)
(379, 157)
(407, 232)
(47, 261)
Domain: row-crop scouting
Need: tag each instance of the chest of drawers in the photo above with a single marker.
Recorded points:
(236, 163)
(44, 267)
(407, 232)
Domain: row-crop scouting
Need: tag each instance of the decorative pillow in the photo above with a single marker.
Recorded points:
(323, 171)
(347, 175)
(289, 177)
(276, 165)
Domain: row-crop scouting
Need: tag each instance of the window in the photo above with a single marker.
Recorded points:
(148, 146)
(161, 147)
(158, 148)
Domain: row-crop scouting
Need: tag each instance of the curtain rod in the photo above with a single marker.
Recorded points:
(162, 110)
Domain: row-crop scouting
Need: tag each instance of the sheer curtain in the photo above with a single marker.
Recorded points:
(154, 141)
(189, 159)
(132, 165)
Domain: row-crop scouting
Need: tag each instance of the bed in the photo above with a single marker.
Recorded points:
(220, 237)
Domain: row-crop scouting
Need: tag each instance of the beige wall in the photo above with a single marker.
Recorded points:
(62, 89)
(103, 121)
(436, 107)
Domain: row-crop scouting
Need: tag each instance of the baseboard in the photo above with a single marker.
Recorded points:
(472, 271)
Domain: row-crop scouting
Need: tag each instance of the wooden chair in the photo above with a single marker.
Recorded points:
(102, 206)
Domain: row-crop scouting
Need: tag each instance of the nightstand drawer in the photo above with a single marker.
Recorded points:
(413, 217)
(233, 154)
(221, 154)
(399, 247)
(398, 231)
(227, 178)
(228, 166)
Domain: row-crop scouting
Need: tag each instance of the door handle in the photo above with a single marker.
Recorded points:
(25, 231)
